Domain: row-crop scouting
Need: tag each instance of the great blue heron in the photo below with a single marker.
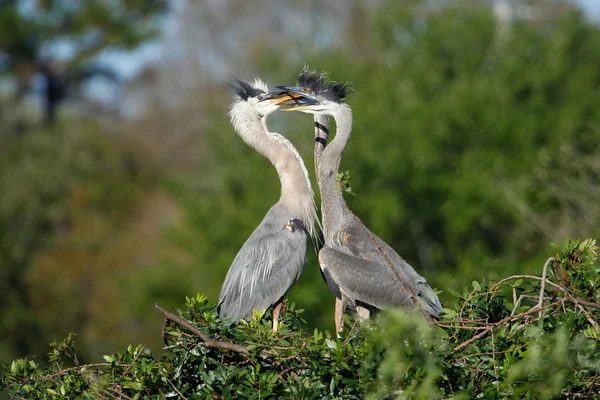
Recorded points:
(273, 257)
(359, 267)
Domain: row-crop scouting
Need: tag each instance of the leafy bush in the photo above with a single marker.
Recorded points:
(525, 336)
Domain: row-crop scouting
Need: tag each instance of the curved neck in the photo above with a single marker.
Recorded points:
(333, 205)
(296, 191)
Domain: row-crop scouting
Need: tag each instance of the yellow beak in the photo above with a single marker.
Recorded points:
(298, 98)
(299, 108)
(284, 98)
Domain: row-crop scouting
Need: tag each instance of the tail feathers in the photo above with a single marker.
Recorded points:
(429, 300)
(227, 313)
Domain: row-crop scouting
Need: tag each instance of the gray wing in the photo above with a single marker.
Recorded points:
(363, 280)
(363, 243)
(265, 268)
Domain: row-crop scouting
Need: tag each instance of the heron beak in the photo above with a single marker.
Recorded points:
(297, 97)
(280, 98)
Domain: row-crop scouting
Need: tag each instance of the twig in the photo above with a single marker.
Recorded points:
(297, 353)
(175, 388)
(544, 272)
(583, 302)
(589, 317)
(517, 304)
(462, 308)
(208, 341)
(472, 328)
(291, 373)
(512, 277)
(132, 362)
(121, 394)
(350, 333)
(501, 322)
(480, 321)
(592, 385)
(528, 296)
(67, 370)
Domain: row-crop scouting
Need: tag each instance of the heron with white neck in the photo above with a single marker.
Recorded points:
(273, 258)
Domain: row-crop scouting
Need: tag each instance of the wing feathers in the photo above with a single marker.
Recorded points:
(363, 280)
(263, 271)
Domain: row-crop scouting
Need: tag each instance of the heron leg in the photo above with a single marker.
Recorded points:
(276, 312)
(339, 315)
(363, 313)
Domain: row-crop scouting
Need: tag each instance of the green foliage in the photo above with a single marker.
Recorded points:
(525, 336)
(343, 179)
(288, 364)
(467, 126)
(65, 192)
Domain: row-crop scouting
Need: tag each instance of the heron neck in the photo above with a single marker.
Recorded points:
(296, 190)
(321, 136)
(333, 205)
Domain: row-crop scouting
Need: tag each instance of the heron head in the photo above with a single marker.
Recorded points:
(295, 97)
(314, 93)
(252, 94)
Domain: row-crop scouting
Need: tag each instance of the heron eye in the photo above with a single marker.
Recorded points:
(259, 97)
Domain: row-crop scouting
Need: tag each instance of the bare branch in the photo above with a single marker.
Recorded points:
(504, 321)
(589, 317)
(175, 388)
(78, 368)
(539, 307)
(208, 341)
(544, 272)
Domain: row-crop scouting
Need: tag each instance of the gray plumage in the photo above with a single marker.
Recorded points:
(266, 267)
(359, 267)
(273, 257)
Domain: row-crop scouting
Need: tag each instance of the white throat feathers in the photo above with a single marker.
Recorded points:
(249, 121)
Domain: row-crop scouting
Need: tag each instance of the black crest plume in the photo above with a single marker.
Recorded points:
(320, 84)
(245, 90)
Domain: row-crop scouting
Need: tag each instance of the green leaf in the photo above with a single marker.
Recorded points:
(454, 293)
(449, 314)
(517, 283)
(331, 344)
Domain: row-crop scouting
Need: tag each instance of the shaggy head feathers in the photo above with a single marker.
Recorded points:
(320, 85)
(245, 89)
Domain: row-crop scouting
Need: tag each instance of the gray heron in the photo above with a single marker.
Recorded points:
(273, 257)
(360, 268)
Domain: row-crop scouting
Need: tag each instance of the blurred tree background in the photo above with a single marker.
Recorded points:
(122, 182)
